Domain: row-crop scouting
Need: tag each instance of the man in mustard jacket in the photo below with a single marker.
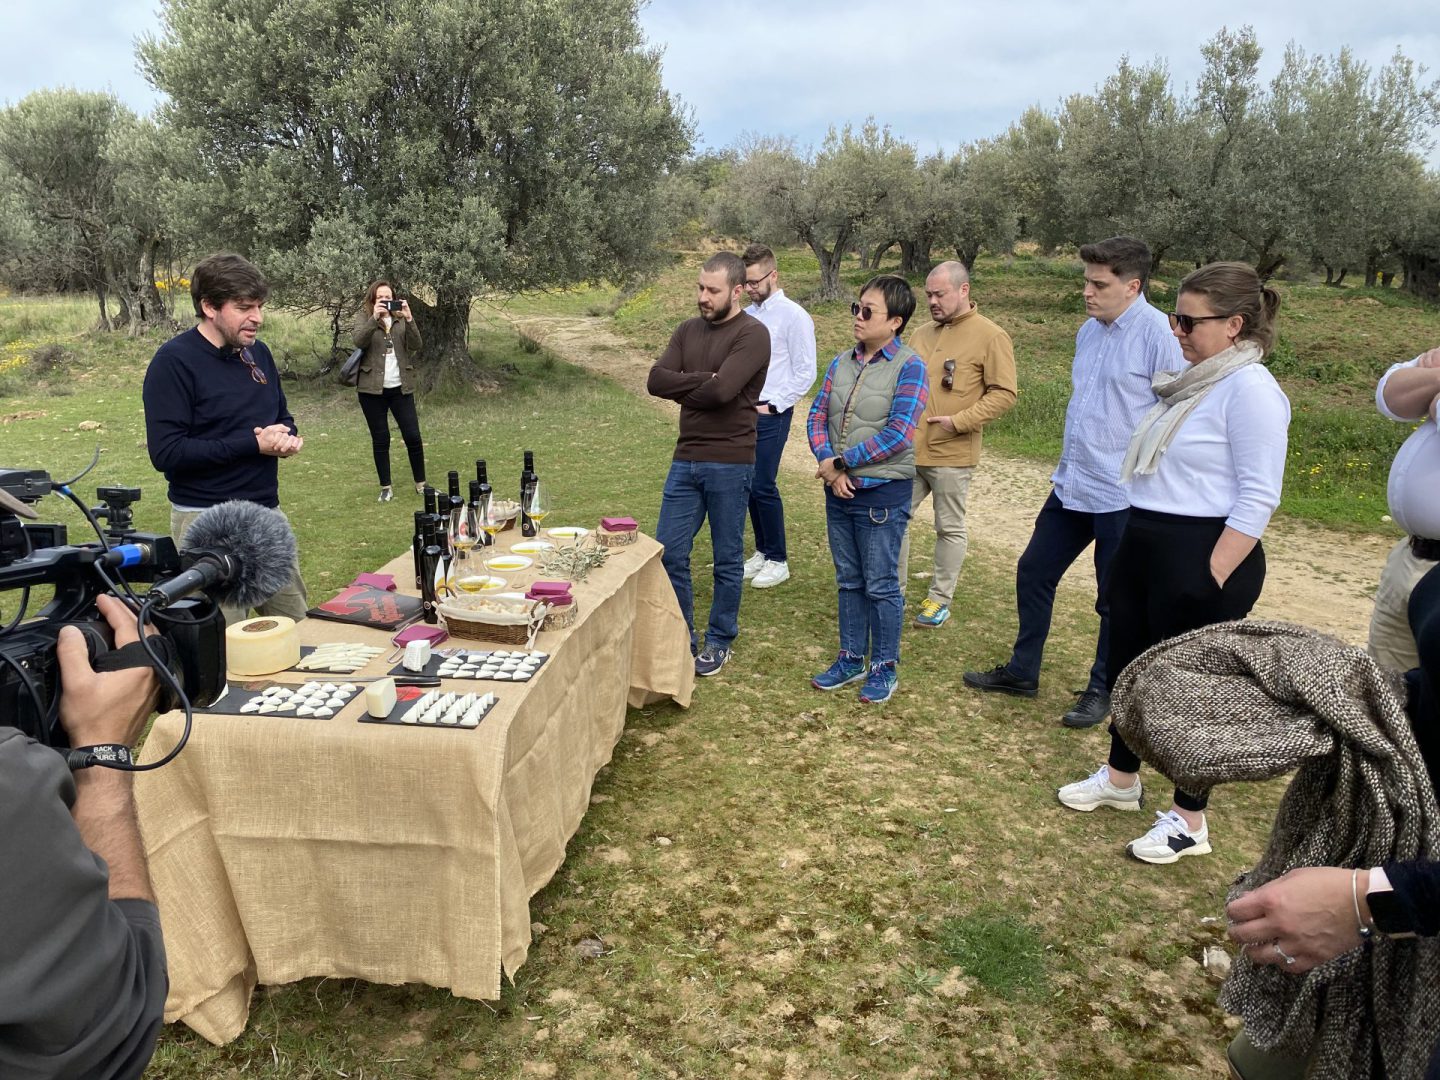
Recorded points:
(971, 365)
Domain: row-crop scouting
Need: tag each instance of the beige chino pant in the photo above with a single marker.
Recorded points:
(1392, 643)
(947, 487)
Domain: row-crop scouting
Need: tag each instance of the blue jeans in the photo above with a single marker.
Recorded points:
(865, 544)
(767, 515)
(695, 490)
(1059, 538)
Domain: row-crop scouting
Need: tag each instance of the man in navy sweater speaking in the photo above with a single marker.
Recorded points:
(216, 421)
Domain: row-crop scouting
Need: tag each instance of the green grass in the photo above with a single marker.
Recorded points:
(846, 891)
(1334, 344)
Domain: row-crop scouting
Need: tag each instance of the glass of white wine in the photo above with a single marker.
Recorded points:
(484, 519)
(537, 506)
(464, 535)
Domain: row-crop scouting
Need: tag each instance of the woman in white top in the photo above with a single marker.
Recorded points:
(386, 330)
(1204, 468)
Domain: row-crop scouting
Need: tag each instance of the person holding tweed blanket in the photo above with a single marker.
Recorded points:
(1204, 468)
(1332, 981)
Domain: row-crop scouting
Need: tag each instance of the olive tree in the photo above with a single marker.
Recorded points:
(453, 145)
(80, 171)
(825, 200)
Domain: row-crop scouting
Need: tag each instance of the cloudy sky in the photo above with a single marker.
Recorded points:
(939, 72)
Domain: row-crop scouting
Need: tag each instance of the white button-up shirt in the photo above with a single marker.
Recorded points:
(792, 349)
(1414, 488)
(1111, 376)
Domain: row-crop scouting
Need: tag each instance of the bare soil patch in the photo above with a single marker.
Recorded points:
(1318, 577)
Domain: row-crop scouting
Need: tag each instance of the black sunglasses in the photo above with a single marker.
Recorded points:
(255, 373)
(948, 382)
(867, 312)
(1186, 323)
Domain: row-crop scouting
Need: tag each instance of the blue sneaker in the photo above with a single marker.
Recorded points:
(932, 614)
(710, 660)
(880, 684)
(845, 670)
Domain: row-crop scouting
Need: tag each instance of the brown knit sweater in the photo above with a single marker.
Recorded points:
(716, 373)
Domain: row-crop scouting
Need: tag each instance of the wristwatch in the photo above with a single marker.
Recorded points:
(1386, 911)
(771, 406)
(839, 463)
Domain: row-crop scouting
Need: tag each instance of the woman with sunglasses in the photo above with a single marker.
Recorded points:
(862, 432)
(1204, 470)
(386, 330)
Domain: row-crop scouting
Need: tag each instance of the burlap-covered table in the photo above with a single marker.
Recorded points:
(283, 848)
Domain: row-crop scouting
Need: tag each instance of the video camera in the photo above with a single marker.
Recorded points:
(191, 639)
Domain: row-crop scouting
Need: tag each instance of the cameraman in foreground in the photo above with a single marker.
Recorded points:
(82, 963)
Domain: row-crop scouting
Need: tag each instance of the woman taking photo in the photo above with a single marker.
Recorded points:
(385, 329)
(1204, 468)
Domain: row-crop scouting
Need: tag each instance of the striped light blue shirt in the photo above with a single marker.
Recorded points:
(1111, 391)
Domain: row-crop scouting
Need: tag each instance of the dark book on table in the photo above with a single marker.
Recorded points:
(366, 605)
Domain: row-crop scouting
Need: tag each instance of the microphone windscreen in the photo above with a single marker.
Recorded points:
(258, 538)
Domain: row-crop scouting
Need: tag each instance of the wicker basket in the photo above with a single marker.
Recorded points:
(514, 627)
(624, 538)
(558, 618)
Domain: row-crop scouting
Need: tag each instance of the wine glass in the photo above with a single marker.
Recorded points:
(537, 505)
(464, 534)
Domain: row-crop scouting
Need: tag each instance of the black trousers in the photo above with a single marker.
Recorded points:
(1160, 587)
(376, 407)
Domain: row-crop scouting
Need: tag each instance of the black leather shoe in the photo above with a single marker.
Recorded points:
(1092, 707)
(1000, 678)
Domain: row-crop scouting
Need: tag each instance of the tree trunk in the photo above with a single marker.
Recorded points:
(445, 326)
(103, 322)
(880, 251)
(1387, 278)
(1422, 275)
(1268, 263)
(151, 312)
(967, 251)
(915, 256)
(829, 270)
(1329, 275)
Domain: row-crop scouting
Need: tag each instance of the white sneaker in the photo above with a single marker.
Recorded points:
(753, 565)
(1169, 839)
(1097, 790)
(772, 573)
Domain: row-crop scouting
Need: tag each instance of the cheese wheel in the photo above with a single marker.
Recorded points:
(262, 646)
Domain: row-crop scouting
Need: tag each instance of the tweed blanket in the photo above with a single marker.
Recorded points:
(1252, 700)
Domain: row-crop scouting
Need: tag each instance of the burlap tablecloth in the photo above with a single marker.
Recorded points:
(283, 848)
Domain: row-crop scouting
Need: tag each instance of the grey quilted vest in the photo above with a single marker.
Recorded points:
(859, 406)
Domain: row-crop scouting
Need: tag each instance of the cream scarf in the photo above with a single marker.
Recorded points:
(1180, 392)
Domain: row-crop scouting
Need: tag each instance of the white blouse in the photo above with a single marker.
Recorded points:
(1228, 457)
(1415, 472)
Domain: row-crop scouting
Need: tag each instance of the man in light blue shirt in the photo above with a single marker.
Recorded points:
(787, 380)
(1117, 353)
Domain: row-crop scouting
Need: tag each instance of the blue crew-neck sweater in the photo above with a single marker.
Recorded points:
(202, 407)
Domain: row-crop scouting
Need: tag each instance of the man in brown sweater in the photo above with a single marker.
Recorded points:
(715, 368)
(971, 365)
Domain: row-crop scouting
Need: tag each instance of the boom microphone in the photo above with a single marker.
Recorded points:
(243, 554)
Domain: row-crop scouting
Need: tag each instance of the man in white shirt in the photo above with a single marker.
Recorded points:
(1117, 353)
(1408, 392)
(791, 373)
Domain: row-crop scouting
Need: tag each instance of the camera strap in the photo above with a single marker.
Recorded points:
(134, 655)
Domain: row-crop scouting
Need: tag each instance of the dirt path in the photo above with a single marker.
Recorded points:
(1316, 576)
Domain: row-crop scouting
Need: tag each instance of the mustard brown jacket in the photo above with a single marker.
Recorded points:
(983, 388)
